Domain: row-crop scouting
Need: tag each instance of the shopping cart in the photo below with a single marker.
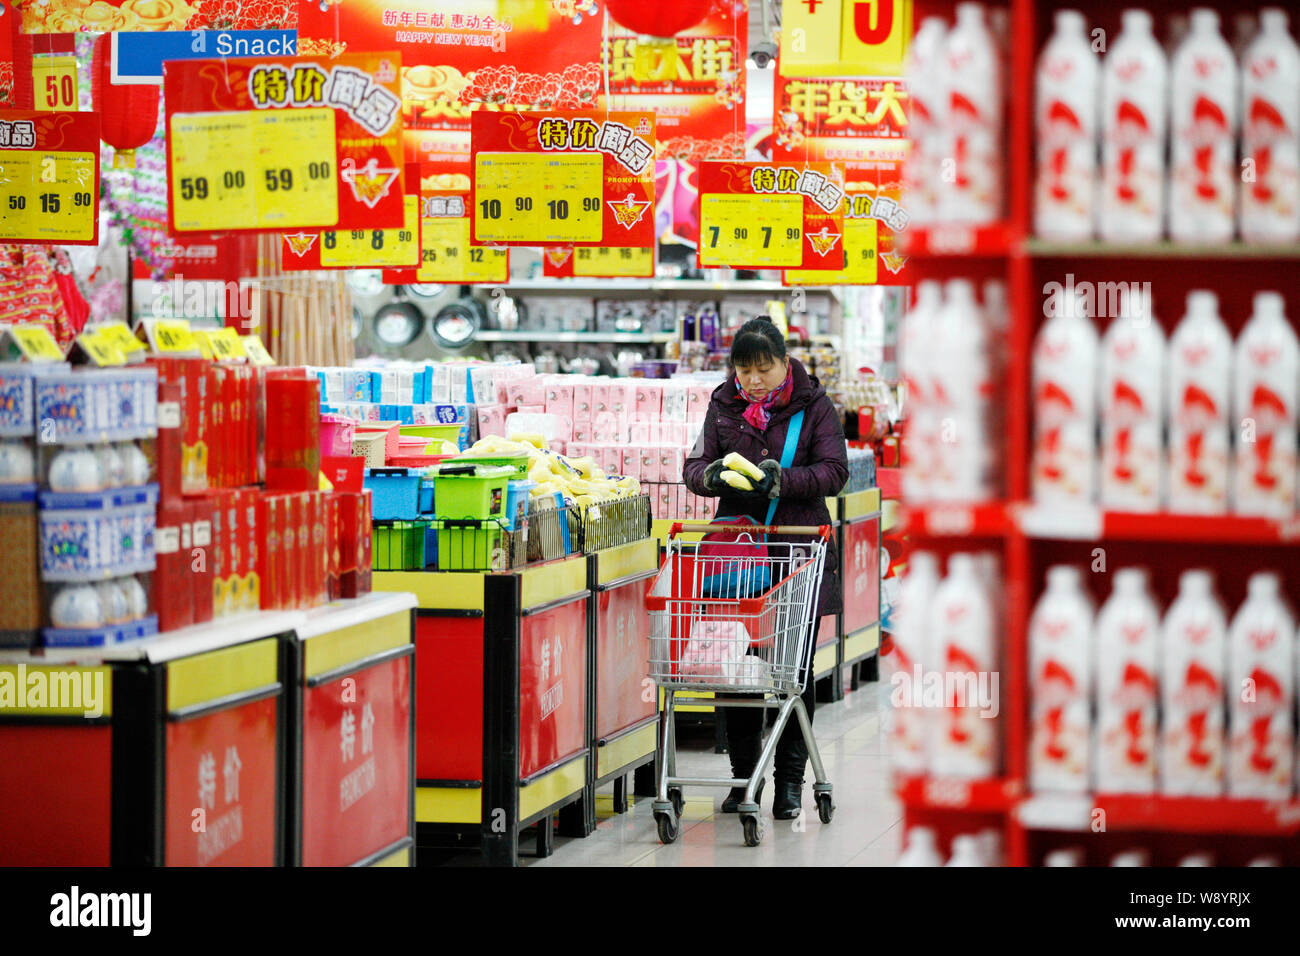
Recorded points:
(734, 624)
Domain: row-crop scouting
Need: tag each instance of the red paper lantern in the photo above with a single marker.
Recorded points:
(128, 115)
(658, 18)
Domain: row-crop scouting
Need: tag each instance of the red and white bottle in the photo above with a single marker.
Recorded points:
(961, 390)
(1266, 393)
(1261, 693)
(917, 360)
(974, 181)
(909, 719)
(1064, 466)
(1127, 655)
(964, 741)
(1061, 670)
(1193, 665)
(1132, 394)
(1199, 403)
(1066, 115)
(1134, 112)
(927, 83)
(1203, 119)
(1270, 133)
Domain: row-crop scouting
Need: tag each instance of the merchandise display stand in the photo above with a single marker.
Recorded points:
(858, 536)
(1029, 539)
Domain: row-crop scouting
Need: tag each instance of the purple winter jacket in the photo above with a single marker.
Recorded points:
(819, 471)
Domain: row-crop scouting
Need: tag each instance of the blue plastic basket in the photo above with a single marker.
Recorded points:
(394, 493)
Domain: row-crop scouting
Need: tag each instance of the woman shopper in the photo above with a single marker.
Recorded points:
(750, 413)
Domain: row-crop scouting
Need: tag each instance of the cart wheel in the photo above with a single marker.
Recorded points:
(668, 828)
(825, 807)
(679, 801)
(753, 836)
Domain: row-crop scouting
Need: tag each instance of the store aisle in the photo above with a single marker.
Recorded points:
(866, 830)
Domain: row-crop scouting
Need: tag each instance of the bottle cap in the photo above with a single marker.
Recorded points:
(1069, 22)
(1273, 20)
(1268, 303)
(1137, 21)
(929, 291)
(1196, 581)
(961, 563)
(920, 835)
(961, 289)
(970, 13)
(1063, 576)
(1204, 20)
(923, 562)
(1263, 584)
(1201, 303)
(1130, 579)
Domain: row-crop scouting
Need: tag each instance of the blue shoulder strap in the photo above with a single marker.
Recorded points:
(787, 454)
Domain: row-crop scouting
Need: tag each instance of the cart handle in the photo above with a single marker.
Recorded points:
(688, 527)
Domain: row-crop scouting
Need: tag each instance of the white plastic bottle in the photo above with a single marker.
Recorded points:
(965, 739)
(1203, 120)
(1064, 467)
(922, 848)
(1197, 859)
(961, 389)
(909, 730)
(927, 83)
(965, 851)
(1270, 133)
(1060, 688)
(1065, 120)
(1193, 664)
(916, 348)
(990, 842)
(974, 115)
(1261, 693)
(1135, 110)
(1127, 655)
(1066, 856)
(1199, 403)
(1266, 393)
(1132, 409)
(1135, 857)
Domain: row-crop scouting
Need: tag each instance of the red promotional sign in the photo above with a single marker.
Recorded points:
(624, 695)
(356, 764)
(222, 258)
(599, 262)
(49, 177)
(446, 255)
(222, 764)
(771, 215)
(103, 16)
(861, 574)
(449, 711)
(552, 682)
(563, 178)
(284, 143)
(861, 123)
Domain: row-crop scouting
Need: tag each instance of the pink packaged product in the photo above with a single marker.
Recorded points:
(650, 463)
(559, 397)
(639, 432)
(529, 391)
(697, 402)
(582, 400)
(671, 459)
(582, 432)
(674, 403)
(622, 398)
(631, 462)
(559, 447)
(492, 421)
(649, 404)
(611, 457)
(531, 409)
(564, 427)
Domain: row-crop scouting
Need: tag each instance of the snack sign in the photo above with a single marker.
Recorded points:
(49, 177)
(563, 178)
(284, 143)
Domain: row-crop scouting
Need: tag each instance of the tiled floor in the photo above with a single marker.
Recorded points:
(865, 831)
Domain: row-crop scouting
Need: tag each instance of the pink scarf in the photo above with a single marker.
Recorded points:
(759, 412)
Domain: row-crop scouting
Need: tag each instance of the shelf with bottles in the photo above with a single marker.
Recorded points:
(941, 240)
(991, 519)
(1091, 523)
(1163, 250)
(1213, 815)
(996, 795)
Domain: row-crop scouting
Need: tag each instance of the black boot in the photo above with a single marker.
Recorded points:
(732, 803)
(791, 760)
(744, 752)
(787, 803)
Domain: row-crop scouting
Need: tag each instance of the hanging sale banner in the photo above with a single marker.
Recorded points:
(283, 143)
(355, 248)
(7, 62)
(49, 177)
(446, 253)
(860, 123)
(545, 178)
(769, 216)
(105, 16)
(600, 262)
(837, 37)
(694, 83)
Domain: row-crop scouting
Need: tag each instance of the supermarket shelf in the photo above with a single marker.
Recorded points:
(1094, 524)
(1272, 818)
(988, 520)
(621, 338)
(585, 286)
(1045, 249)
(997, 795)
(987, 242)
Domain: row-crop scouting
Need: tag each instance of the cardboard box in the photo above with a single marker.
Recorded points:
(172, 581)
(292, 434)
(202, 562)
(167, 447)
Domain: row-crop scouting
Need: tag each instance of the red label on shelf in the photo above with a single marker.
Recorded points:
(552, 684)
(861, 575)
(624, 692)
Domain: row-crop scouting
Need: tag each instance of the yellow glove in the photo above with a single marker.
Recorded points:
(739, 463)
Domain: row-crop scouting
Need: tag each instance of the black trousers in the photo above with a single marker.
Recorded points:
(745, 731)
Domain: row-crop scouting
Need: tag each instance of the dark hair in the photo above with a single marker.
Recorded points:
(758, 339)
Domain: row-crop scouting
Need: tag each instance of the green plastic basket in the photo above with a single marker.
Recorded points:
(518, 462)
(448, 433)
(471, 548)
(399, 546)
(463, 489)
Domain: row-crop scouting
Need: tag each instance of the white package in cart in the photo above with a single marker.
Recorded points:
(715, 651)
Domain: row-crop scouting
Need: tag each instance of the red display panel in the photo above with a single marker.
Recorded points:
(552, 686)
(224, 765)
(449, 706)
(624, 693)
(56, 790)
(356, 764)
(861, 576)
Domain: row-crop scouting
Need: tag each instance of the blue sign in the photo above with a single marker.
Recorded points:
(138, 57)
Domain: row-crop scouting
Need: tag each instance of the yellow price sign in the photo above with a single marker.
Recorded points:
(256, 351)
(54, 82)
(861, 259)
(597, 261)
(47, 196)
(446, 254)
(173, 335)
(226, 345)
(205, 344)
(253, 170)
(36, 343)
(120, 337)
(103, 351)
(374, 248)
(539, 198)
(844, 37)
(753, 231)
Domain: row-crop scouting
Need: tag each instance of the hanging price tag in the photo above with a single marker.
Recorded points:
(54, 82)
(604, 261)
(257, 353)
(538, 198)
(861, 259)
(49, 177)
(36, 343)
(446, 255)
(374, 248)
(758, 231)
